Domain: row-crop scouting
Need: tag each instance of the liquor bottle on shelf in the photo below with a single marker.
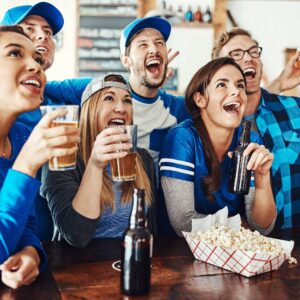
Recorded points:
(136, 250)
(180, 13)
(239, 180)
(198, 15)
(207, 17)
(188, 16)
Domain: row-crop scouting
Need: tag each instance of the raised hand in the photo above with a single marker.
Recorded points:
(45, 143)
(171, 55)
(20, 268)
(289, 77)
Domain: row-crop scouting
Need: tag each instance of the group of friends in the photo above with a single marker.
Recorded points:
(185, 142)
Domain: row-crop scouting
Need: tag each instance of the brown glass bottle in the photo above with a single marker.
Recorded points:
(136, 250)
(239, 180)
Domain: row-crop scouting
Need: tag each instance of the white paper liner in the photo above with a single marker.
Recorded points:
(246, 263)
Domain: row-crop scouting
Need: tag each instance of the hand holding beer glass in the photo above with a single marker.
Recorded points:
(124, 168)
(66, 162)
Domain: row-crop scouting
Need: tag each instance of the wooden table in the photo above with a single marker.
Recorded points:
(88, 274)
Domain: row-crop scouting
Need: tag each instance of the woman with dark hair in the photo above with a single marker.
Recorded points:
(22, 82)
(85, 203)
(195, 164)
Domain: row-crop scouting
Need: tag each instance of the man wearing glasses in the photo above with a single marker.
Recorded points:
(276, 118)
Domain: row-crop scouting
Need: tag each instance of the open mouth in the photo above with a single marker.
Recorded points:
(116, 122)
(42, 49)
(232, 107)
(249, 72)
(31, 82)
(154, 66)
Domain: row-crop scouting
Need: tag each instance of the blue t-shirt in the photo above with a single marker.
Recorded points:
(183, 158)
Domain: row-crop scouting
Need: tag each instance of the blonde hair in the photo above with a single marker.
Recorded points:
(88, 132)
(225, 37)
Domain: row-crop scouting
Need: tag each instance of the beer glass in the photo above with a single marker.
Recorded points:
(124, 169)
(67, 162)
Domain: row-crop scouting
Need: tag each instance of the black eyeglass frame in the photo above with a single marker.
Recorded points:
(248, 51)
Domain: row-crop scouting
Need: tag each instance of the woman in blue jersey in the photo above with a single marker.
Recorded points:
(195, 164)
(22, 82)
(85, 203)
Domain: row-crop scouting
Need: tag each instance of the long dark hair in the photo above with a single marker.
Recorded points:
(199, 83)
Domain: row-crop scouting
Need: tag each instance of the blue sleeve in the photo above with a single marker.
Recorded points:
(68, 91)
(177, 106)
(16, 201)
(178, 155)
(29, 238)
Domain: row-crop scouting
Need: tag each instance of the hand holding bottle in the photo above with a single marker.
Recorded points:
(260, 160)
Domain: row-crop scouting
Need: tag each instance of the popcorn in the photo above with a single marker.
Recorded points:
(241, 251)
(243, 239)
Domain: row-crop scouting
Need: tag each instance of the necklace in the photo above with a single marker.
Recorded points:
(3, 154)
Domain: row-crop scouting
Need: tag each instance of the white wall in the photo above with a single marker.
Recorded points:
(274, 24)
(65, 59)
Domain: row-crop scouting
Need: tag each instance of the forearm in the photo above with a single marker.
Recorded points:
(16, 200)
(264, 208)
(87, 199)
(179, 198)
(249, 200)
(274, 87)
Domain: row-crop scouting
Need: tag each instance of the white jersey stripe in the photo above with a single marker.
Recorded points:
(167, 168)
(176, 161)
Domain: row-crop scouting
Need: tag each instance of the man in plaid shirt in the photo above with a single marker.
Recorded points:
(275, 117)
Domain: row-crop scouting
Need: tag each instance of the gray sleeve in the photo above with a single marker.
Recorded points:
(60, 188)
(249, 199)
(179, 198)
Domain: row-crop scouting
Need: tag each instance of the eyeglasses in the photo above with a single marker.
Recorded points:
(238, 54)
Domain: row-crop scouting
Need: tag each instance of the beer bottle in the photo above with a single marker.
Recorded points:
(136, 250)
(239, 180)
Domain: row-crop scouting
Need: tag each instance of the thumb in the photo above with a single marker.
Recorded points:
(230, 153)
(50, 116)
(12, 263)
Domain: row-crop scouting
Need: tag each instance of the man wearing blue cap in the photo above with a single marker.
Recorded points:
(41, 22)
(144, 53)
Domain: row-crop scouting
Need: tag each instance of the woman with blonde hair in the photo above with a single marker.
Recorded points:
(85, 203)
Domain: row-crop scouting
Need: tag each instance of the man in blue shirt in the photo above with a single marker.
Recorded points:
(275, 117)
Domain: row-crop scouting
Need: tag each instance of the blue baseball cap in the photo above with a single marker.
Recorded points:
(160, 24)
(45, 10)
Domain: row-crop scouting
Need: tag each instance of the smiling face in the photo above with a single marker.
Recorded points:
(22, 79)
(252, 67)
(147, 60)
(40, 32)
(114, 108)
(225, 99)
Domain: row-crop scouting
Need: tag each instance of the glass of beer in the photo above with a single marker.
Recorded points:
(123, 169)
(67, 162)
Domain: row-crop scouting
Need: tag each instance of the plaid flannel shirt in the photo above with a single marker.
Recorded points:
(278, 121)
